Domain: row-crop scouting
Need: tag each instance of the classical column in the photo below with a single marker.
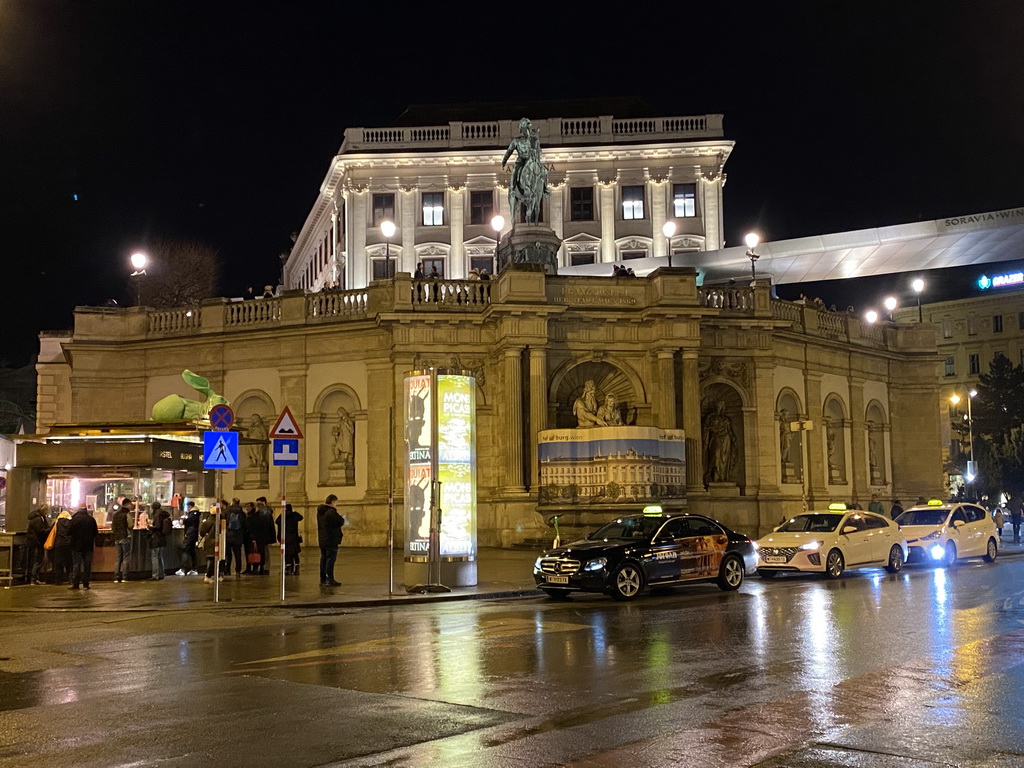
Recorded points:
(358, 261)
(607, 196)
(691, 423)
(816, 479)
(763, 454)
(380, 398)
(711, 208)
(556, 207)
(665, 415)
(659, 196)
(407, 214)
(457, 269)
(538, 406)
(859, 480)
(512, 430)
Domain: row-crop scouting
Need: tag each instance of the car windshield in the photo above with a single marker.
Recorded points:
(638, 527)
(815, 523)
(931, 516)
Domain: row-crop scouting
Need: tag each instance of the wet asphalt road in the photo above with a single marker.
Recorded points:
(918, 669)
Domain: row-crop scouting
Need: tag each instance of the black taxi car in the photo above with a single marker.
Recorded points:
(627, 555)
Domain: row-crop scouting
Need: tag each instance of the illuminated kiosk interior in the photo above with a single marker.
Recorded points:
(440, 478)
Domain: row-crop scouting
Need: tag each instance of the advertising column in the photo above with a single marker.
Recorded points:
(440, 477)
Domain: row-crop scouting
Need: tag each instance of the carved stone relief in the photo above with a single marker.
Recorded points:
(722, 366)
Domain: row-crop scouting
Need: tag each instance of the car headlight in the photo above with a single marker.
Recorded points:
(757, 547)
(811, 545)
(536, 563)
(938, 552)
(596, 564)
(931, 536)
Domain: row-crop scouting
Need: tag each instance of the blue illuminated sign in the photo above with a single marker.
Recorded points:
(1001, 281)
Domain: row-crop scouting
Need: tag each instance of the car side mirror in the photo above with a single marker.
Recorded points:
(849, 529)
(957, 523)
(776, 529)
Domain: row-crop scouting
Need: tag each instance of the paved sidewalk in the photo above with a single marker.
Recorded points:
(363, 573)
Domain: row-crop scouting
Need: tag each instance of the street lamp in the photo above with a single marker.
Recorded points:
(387, 228)
(918, 286)
(139, 261)
(890, 305)
(955, 399)
(871, 316)
(497, 224)
(668, 229)
(752, 240)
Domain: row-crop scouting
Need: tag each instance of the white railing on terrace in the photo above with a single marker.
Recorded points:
(554, 132)
(787, 310)
(451, 294)
(727, 298)
(337, 304)
(255, 312)
(182, 320)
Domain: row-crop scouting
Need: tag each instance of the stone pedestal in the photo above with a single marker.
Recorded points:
(341, 473)
(723, 489)
(252, 477)
(789, 474)
(530, 246)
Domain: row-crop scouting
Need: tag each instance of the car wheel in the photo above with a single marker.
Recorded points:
(949, 560)
(895, 564)
(627, 581)
(834, 564)
(730, 575)
(991, 551)
(767, 574)
(557, 594)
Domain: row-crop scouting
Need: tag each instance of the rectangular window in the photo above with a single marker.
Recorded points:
(434, 267)
(684, 200)
(626, 255)
(974, 364)
(950, 367)
(480, 263)
(582, 204)
(383, 208)
(383, 268)
(971, 331)
(433, 209)
(576, 259)
(633, 202)
(947, 329)
(997, 323)
(481, 207)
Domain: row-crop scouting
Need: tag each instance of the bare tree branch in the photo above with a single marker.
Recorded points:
(179, 273)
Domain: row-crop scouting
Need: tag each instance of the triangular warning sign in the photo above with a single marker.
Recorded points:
(286, 426)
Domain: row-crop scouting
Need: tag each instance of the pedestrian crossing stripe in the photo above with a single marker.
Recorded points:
(220, 450)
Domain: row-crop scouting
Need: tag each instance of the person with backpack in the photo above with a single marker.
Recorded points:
(160, 529)
(83, 531)
(235, 539)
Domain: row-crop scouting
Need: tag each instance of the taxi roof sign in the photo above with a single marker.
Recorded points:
(653, 509)
(934, 502)
(837, 506)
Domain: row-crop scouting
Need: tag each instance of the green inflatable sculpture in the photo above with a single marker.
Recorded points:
(178, 408)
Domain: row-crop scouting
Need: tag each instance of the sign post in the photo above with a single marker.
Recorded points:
(220, 451)
(285, 453)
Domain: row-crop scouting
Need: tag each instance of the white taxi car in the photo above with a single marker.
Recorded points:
(830, 542)
(941, 533)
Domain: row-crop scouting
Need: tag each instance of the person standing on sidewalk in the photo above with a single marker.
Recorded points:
(235, 538)
(1016, 513)
(291, 538)
(1000, 520)
(62, 548)
(83, 539)
(329, 524)
(189, 556)
(35, 538)
(121, 532)
(207, 544)
(160, 529)
(264, 534)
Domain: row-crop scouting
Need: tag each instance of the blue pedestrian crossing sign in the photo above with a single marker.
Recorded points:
(286, 452)
(220, 450)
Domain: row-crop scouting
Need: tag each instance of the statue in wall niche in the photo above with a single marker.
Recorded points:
(830, 441)
(873, 455)
(785, 436)
(344, 438)
(609, 412)
(720, 449)
(529, 183)
(585, 408)
(178, 408)
(258, 452)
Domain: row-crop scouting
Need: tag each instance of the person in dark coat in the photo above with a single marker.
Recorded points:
(329, 524)
(83, 539)
(121, 525)
(160, 529)
(62, 548)
(38, 529)
(189, 553)
(264, 534)
(292, 540)
(235, 538)
(252, 568)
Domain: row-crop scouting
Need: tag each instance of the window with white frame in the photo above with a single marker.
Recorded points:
(576, 259)
(383, 208)
(433, 266)
(481, 207)
(947, 329)
(480, 263)
(383, 268)
(950, 366)
(633, 202)
(581, 201)
(433, 209)
(997, 323)
(684, 200)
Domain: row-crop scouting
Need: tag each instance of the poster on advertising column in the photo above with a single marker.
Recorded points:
(453, 460)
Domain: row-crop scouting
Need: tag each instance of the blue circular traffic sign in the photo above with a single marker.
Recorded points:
(221, 417)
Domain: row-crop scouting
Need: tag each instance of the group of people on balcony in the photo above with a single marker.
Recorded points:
(268, 293)
(621, 270)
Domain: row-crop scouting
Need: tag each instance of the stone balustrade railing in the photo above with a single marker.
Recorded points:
(255, 312)
(449, 295)
(554, 132)
(337, 304)
(171, 321)
(731, 297)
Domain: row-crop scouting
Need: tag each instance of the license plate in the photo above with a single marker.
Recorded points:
(774, 558)
(558, 579)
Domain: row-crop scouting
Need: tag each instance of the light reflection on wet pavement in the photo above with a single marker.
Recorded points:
(917, 669)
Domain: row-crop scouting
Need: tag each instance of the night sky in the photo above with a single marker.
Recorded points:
(216, 120)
